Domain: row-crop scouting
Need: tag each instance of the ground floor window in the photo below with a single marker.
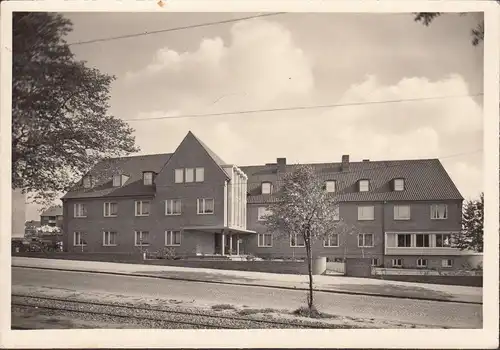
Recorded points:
(375, 262)
(265, 240)
(297, 240)
(141, 238)
(109, 238)
(447, 263)
(421, 262)
(78, 239)
(172, 238)
(397, 262)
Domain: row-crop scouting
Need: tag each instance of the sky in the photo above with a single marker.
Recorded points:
(295, 60)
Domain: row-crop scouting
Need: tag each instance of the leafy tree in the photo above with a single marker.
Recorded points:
(471, 236)
(304, 211)
(60, 125)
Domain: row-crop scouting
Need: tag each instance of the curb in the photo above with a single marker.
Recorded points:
(332, 291)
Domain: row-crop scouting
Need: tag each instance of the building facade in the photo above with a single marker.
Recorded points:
(191, 201)
(52, 217)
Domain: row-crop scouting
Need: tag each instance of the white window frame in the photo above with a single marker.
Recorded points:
(87, 181)
(199, 174)
(399, 185)
(117, 180)
(147, 178)
(201, 204)
(171, 203)
(137, 241)
(140, 205)
(261, 212)
(77, 210)
(444, 263)
(107, 205)
(403, 234)
(266, 183)
(375, 262)
(397, 262)
(108, 234)
(189, 175)
(169, 238)
(449, 240)
(361, 210)
(397, 212)
(428, 240)
(327, 242)
(435, 211)
(296, 236)
(261, 240)
(331, 186)
(363, 245)
(179, 176)
(362, 187)
(81, 241)
(421, 262)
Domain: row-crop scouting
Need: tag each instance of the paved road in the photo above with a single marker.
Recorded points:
(452, 315)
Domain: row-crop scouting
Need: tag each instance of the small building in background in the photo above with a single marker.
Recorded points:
(52, 217)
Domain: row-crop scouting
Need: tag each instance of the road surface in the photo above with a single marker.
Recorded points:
(440, 314)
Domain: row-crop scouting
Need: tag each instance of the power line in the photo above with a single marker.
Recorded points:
(175, 29)
(270, 110)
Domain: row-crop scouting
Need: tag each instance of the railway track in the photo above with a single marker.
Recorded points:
(141, 314)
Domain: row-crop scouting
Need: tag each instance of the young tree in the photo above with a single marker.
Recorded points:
(304, 210)
(60, 125)
(471, 236)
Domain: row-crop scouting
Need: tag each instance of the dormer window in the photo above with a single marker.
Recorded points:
(117, 181)
(266, 188)
(331, 185)
(87, 181)
(399, 184)
(364, 185)
(147, 177)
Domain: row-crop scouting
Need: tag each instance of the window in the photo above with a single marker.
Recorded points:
(142, 208)
(297, 240)
(265, 240)
(397, 262)
(110, 209)
(141, 238)
(262, 213)
(364, 185)
(205, 206)
(200, 174)
(399, 184)
(401, 212)
(336, 213)
(366, 212)
(78, 239)
(330, 185)
(375, 262)
(447, 263)
(439, 211)
(117, 181)
(173, 207)
(109, 238)
(404, 240)
(189, 175)
(365, 240)
(148, 178)
(266, 188)
(179, 176)
(422, 240)
(87, 181)
(421, 262)
(80, 210)
(331, 241)
(443, 240)
(172, 238)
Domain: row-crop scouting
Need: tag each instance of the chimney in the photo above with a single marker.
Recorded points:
(345, 162)
(281, 165)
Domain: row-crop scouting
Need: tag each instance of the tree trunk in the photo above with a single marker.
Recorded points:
(310, 299)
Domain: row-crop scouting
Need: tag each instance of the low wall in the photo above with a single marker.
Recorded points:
(358, 267)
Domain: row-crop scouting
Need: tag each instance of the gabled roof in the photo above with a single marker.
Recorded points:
(425, 179)
(102, 175)
(55, 210)
(211, 153)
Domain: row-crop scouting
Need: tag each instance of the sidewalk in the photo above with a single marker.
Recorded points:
(333, 284)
